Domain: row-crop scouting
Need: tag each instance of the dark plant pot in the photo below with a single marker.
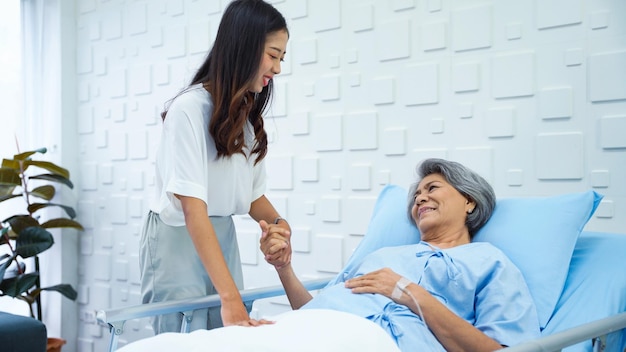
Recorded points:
(54, 344)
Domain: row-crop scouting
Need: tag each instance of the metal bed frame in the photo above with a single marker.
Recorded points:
(115, 319)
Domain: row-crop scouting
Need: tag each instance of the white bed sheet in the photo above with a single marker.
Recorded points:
(299, 330)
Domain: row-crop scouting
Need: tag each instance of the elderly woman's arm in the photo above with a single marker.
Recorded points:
(276, 247)
(454, 333)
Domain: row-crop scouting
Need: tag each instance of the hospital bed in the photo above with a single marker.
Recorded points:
(577, 277)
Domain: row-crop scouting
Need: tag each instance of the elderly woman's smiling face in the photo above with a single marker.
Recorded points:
(439, 209)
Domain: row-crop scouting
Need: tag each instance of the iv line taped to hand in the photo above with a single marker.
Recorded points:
(401, 287)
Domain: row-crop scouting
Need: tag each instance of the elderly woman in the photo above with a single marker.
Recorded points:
(445, 293)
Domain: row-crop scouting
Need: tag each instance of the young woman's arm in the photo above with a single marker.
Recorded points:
(205, 241)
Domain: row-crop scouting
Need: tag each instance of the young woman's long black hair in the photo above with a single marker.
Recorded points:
(229, 70)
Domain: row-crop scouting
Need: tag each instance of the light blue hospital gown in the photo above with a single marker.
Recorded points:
(476, 281)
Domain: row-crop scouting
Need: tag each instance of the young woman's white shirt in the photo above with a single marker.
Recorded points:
(186, 163)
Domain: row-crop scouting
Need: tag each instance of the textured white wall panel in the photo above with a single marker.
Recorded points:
(330, 209)
(399, 5)
(117, 209)
(607, 76)
(393, 40)
(141, 79)
(138, 144)
(279, 104)
(329, 252)
(84, 60)
(137, 18)
(554, 13)
(105, 237)
(200, 37)
(112, 25)
(326, 14)
(559, 156)
(556, 102)
(600, 178)
(89, 176)
(327, 129)
(574, 57)
(280, 172)
(136, 207)
(120, 270)
(362, 128)
(248, 247)
(419, 84)
(305, 51)
(119, 145)
(513, 75)
(86, 120)
(308, 169)
(106, 174)
(300, 239)
(515, 178)
(466, 77)
(360, 177)
(361, 17)
(115, 84)
(613, 132)
(175, 41)
(394, 141)
(472, 28)
(434, 36)
(382, 90)
(299, 123)
(327, 87)
(500, 122)
(356, 209)
(175, 7)
(606, 209)
(102, 266)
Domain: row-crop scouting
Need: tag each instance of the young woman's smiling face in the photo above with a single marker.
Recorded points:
(273, 55)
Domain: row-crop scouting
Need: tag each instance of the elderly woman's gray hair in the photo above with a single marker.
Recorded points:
(470, 184)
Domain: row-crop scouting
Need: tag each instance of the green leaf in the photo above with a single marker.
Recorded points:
(26, 155)
(9, 177)
(12, 165)
(32, 241)
(20, 222)
(45, 192)
(52, 167)
(4, 265)
(6, 193)
(18, 285)
(36, 206)
(62, 222)
(4, 239)
(54, 178)
(64, 289)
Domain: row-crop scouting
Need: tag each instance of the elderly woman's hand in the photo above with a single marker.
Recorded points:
(275, 244)
(381, 281)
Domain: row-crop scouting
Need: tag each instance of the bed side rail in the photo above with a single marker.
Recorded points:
(115, 318)
(596, 330)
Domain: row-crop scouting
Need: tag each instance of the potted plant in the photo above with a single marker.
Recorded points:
(25, 234)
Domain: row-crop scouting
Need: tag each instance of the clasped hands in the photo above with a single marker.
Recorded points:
(276, 246)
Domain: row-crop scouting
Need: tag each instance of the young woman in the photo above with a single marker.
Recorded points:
(209, 166)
